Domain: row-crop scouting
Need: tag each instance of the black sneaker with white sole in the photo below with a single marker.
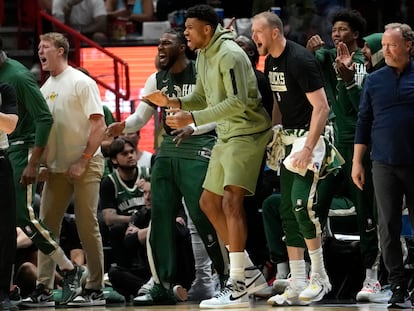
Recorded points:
(88, 298)
(41, 297)
(400, 298)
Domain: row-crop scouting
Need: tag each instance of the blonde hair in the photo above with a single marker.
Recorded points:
(272, 19)
(59, 41)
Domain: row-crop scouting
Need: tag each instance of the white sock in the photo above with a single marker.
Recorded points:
(298, 272)
(317, 264)
(282, 270)
(61, 260)
(371, 274)
(237, 260)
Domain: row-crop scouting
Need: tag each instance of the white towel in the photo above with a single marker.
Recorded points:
(318, 155)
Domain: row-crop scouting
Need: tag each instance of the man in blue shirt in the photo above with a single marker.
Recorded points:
(386, 122)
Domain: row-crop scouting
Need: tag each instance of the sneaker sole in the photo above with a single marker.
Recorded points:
(87, 304)
(318, 297)
(49, 304)
(400, 305)
(225, 306)
(362, 297)
(287, 302)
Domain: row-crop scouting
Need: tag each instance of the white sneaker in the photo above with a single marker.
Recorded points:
(89, 298)
(41, 297)
(233, 295)
(372, 292)
(255, 280)
(144, 289)
(289, 297)
(316, 289)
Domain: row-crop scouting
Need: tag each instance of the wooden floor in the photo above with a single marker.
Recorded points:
(259, 305)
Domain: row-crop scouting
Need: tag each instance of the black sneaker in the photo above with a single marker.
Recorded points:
(400, 298)
(41, 297)
(88, 298)
(73, 281)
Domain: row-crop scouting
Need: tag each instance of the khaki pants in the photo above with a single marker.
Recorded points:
(58, 191)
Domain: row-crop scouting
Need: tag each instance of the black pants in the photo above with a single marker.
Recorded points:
(391, 184)
(127, 281)
(7, 223)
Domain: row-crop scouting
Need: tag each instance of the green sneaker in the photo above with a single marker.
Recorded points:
(73, 282)
(158, 295)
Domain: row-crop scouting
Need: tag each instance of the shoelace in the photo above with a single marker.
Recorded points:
(315, 280)
(228, 289)
(225, 291)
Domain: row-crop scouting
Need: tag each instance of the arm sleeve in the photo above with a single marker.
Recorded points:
(144, 112)
(202, 129)
(139, 118)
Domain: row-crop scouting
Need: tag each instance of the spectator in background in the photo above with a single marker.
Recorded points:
(145, 158)
(372, 50)
(125, 197)
(89, 17)
(8, 122)
(121, 196)
(120, 12)
(165, 7)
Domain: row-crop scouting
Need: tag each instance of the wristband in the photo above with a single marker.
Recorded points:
(87, 156)
(307, 147)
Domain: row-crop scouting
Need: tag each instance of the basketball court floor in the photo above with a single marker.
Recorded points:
(258, 305)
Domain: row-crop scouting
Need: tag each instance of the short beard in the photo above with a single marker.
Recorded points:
(127, 168)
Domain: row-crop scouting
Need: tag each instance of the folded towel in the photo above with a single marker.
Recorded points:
(318, 154)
